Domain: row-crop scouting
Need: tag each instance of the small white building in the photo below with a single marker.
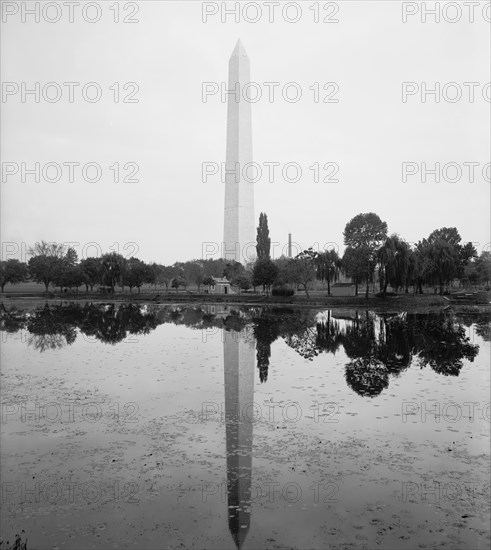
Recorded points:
(222, 286)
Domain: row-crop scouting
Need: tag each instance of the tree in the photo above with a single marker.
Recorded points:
(43, 269)
(422, 265)
(368, 232)
(447, 234)
(166, 274)
(483, 267)
(445, 259)
(71, 257)
(208, 281)
(394, 263)
(402, 265)
(177, 282)
(264, 273)
(405, 265)
(328, 264)
(69, 277)
(67, 274)
(91, 272)
(441, 257)
(467, 254)
(46, 262)
(13, 272)
(461, 254)
(354, 263)
(301, 270)
(282, 265)
(192, 272)
(242, 283)
(263, 240)
(56, 250)
(234, 270)
(112, 268)
(155, 270)
(136, 273)
(213, 268)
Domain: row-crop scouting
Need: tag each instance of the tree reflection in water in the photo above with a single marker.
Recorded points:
(378, 346)
(55, 326)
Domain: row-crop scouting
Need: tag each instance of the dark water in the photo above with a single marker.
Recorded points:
(128, 426)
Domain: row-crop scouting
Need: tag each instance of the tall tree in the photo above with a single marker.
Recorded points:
(367, 232)
(263, 245)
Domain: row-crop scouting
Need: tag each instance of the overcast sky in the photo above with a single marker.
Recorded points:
(170, 52)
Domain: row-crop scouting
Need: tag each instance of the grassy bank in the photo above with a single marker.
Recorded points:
(402, 302)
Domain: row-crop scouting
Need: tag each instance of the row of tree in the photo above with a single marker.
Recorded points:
(370, 255)
(436, 261)
(54, 264)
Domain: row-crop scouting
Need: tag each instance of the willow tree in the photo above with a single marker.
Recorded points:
(394, 258)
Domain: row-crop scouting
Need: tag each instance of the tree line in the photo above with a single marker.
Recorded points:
(53, 264)
(371, 255)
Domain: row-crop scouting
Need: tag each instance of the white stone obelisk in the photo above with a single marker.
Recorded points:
(239, 234)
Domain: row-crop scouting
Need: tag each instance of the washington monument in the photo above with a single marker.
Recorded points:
(239, 236)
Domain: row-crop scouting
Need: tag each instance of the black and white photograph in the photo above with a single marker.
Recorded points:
(245, 275)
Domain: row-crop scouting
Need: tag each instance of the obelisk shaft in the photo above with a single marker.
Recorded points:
(239, 230)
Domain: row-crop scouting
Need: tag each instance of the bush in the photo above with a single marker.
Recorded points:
(282, 291)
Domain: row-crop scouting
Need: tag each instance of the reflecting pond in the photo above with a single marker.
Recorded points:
(150, 426)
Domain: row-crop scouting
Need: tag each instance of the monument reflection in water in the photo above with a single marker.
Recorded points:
(239, 363)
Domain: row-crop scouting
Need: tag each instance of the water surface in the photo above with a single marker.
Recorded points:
(128, 426)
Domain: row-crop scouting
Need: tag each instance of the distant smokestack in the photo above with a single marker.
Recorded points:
(289, 245)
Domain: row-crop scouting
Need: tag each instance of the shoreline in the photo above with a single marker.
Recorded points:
(398, 303)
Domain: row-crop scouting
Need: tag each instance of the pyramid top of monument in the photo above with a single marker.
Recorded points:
(239, 50)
